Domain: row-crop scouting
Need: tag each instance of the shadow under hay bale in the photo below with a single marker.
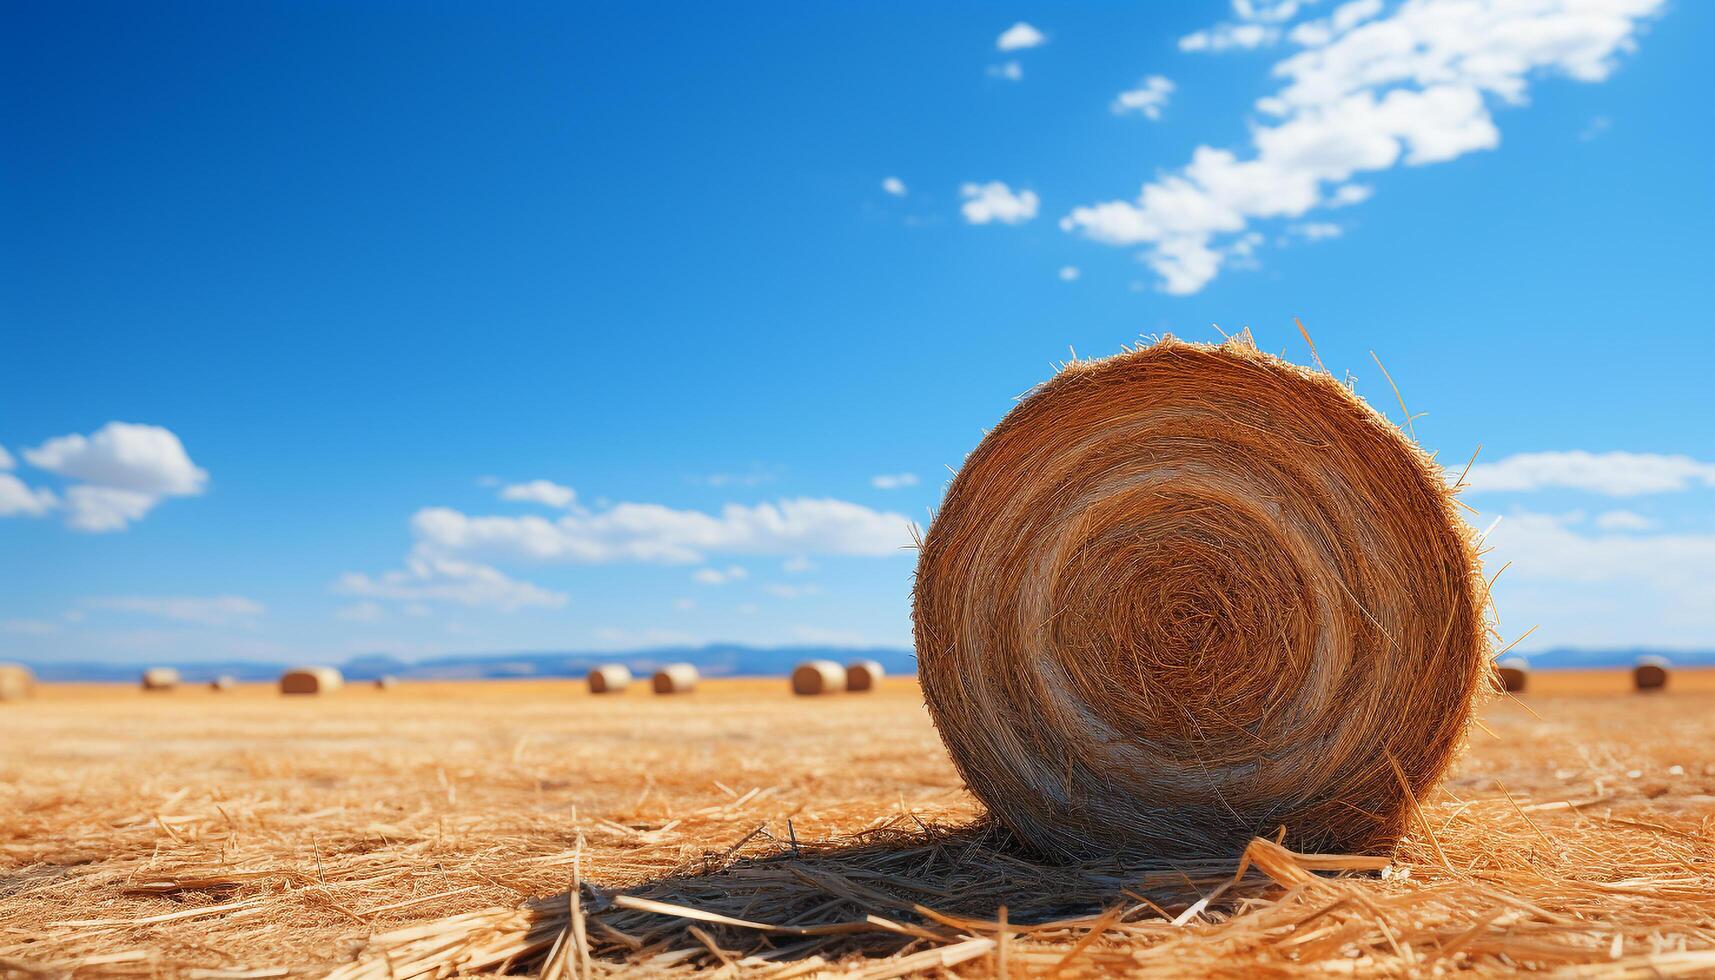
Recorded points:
(1650, 674)
(864, 675)
(311, 680)
(610, 679)
(675, 679)
(1514, 673)
(223, 683)
(16, 682)
(160, 679)
(878, 894)
(815, 677)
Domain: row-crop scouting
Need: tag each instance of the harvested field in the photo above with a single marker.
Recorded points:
(190, 833)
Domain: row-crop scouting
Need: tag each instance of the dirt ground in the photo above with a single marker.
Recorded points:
(441, 827)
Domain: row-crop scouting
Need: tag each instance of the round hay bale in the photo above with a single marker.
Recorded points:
(818, 677)
(610, 679)
(386, 682)
(16, 682)
(223, 683)
(863, 675)
(1192, 594)
(675, 679)
(1514, 673)
(311, 680)
(1650, 674)
(160, 679)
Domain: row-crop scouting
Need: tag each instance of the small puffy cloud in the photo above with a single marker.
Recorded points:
(994, 201)
(426, 579)
(893, 481)
(101, 509)
(1347, 195)
(1069, 273)
(1315, 33)
(1225, 37)
(145, 458)
(1012, 71)
(20, 500)
(220, 610)
(1623, 520)
(1147, 99)
(1317, 231)
(719, 576)
(361, 612)
(6, 461)
(894, 186)
(797, 565)
(1019, 37)
(1613, 474)
(540, 492)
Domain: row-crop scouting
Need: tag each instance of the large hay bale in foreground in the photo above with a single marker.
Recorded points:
(160, 679)
(863, 675)
(16, 682)
(1650, 674)
(675, 679)
(311, 680)
(818, 677)
(1192, 594)
(610, 679)
(1514, 674)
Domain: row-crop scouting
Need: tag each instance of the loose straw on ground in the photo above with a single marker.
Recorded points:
(1195, 593)
(675, 679)
(818, 677)
(609, 679)
(311, 680)
(863, 675)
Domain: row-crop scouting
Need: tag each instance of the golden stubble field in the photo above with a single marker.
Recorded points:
(444, 827)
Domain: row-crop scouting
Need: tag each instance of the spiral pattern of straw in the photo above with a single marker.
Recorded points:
(1194, 593)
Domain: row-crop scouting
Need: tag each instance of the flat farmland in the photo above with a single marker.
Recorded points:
(490, 827)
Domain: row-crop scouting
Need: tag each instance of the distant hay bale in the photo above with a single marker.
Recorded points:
(1650, 674)
(1514, 673)
(160, 679)
(863, 675)
(223, 683)
(675, 679)
(311, 680)
(1194, 593)
(818, 677)
(386, 682)
(16, 682)
(610, 679)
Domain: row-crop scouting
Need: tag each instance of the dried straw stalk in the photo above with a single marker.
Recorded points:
(818, 677)
(675, 679)
(1191, 594)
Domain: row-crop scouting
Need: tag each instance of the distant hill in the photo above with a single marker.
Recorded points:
(714, 660)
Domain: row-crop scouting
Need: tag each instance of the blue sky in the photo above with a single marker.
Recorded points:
(299, 301)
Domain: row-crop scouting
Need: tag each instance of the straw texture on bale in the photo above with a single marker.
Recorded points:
(1514, 673)
(610, 679)
(16, 682)
(225, 682)
(675, 679)
(1192, 594)
(160, 679)
(311, 680)
(818, 677)
(863, 675)
(1650, 674)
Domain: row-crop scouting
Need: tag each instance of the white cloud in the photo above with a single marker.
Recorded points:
(654, 533)
(1316, 33)
(29, 627)
(540, 492)
(20, 500)
(220, 610)
(1624, 520)
(1019, 37)
(1147, 100)
(895, 481)
(994, 201)
(1348, 194)
(619, 638)
(719, 576)
(830, 637)
(797, 565)
(1365, 95)
(1614, 474)
(435, 579)
(1012, 71)
(1069, 273)
(6, 461)
(361, 612)
(126, 470)
(894, 186)
(101, 509)
(1316, 231)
